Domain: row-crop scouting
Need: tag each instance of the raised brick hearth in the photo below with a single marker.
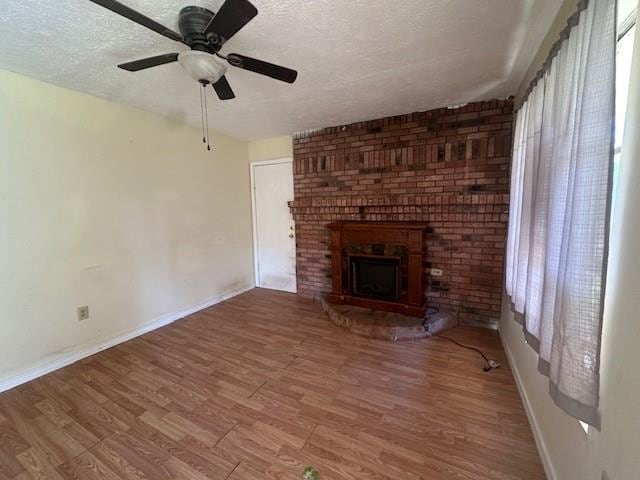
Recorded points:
(448, 168)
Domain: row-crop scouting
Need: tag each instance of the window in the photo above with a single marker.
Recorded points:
(560, 199)
(627, 30)
(626, 35)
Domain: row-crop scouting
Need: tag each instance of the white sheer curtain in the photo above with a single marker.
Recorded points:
(558, 220)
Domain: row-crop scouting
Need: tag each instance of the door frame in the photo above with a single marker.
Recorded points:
(254, 212)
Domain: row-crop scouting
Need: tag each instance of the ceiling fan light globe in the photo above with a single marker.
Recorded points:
(202, 66)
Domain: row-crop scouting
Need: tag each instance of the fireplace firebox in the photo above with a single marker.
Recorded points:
(375, 277)
(378, 265)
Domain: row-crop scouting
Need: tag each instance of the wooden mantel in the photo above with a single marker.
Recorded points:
(346, 236)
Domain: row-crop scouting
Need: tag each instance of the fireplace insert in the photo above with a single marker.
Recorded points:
(376, 277)
(378, 265)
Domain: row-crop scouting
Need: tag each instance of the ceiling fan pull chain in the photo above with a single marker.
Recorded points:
(206, 114)
(202, 112)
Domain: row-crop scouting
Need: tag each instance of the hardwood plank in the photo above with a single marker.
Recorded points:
(86, 466)
(37, 464)
(132, 458)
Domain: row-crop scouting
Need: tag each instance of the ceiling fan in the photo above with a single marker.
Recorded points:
(205, 32)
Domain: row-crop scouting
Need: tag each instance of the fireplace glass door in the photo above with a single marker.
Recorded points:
(375, 277)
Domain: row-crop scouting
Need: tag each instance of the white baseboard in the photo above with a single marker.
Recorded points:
(535, 427)
(78, 353)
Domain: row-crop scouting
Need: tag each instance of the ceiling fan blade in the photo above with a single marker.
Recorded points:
(232, 16)
(223, 89)
(140, 19)
(149, 62)
(262, 67)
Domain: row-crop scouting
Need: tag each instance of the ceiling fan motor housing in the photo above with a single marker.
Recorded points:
(192, 21)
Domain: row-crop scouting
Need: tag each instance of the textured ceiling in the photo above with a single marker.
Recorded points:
(357, 59)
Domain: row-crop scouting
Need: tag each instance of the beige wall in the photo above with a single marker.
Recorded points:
(570, 453)
(111, 207)
(567, 8)
(271, 148)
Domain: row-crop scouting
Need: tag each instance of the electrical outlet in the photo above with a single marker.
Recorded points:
(83, 313)
(436, 272)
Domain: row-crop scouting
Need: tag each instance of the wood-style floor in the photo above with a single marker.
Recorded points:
(261, 386)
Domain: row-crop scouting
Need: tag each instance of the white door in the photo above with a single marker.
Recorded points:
(273, 225)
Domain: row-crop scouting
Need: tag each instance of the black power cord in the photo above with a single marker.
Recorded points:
(490, 364)
(430, 311)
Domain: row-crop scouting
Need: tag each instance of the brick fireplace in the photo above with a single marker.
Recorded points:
(446, 168)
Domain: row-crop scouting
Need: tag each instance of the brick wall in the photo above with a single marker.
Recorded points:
(446, 167)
